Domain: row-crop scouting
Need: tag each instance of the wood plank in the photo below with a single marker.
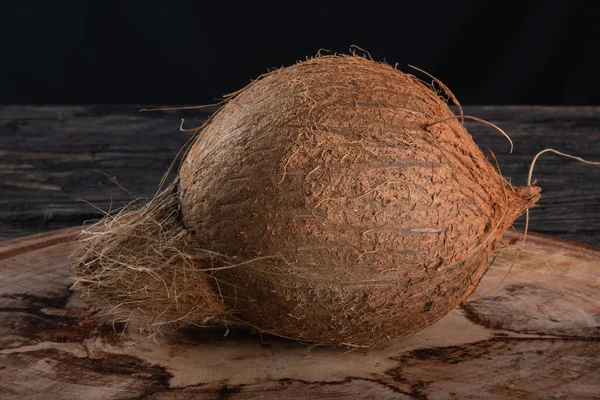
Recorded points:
(523, 340)
(56, 159)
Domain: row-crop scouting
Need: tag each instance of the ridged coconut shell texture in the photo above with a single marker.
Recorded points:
(355, 217)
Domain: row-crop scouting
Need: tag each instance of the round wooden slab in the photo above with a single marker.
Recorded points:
(525, 339)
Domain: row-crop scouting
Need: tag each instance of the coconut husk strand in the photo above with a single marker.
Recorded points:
(324, 202)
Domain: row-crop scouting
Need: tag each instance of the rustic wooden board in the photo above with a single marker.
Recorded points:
(526, 339)
(52, 157)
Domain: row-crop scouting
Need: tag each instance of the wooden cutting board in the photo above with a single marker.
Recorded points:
(526, 339)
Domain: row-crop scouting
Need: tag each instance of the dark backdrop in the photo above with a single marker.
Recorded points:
(175, 52)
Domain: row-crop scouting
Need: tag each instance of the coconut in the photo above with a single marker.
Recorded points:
(338, 201)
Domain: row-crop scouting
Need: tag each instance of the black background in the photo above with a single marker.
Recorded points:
(174, 52)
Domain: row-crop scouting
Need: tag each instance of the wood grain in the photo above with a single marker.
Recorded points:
(54, 160)
(526, 339)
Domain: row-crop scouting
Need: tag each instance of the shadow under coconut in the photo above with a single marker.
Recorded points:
(230, 331)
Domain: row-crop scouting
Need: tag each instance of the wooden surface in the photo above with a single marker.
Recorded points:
(526, 339)
(51, 157)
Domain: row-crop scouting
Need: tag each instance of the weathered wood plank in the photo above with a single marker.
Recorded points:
(51, 157)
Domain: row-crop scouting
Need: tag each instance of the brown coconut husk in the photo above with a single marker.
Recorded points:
(337, 201)
(142, 265)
